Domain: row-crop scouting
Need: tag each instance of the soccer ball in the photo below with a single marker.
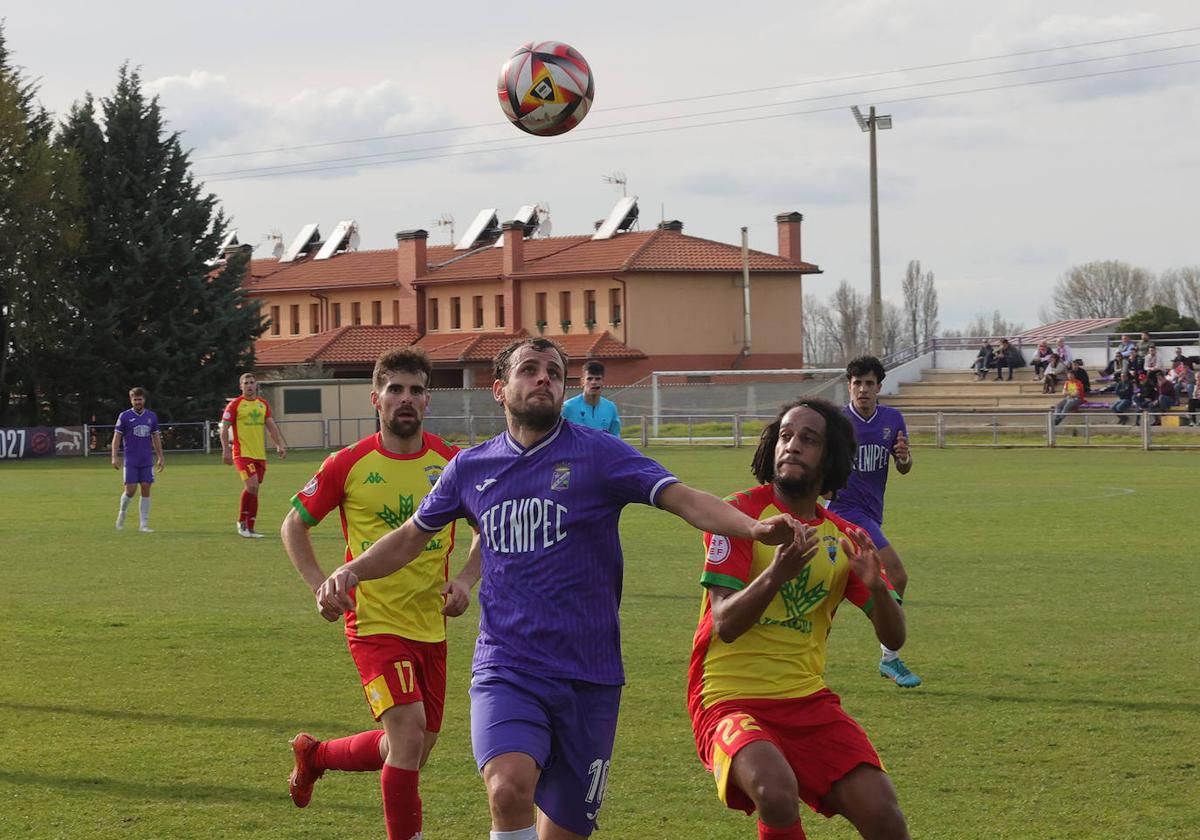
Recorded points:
(546, 88)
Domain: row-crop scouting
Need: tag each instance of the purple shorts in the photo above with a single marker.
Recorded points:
(866, 523)
(566, 726)
(139, 475)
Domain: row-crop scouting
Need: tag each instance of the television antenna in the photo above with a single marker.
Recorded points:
(446, 220)
(616, 178)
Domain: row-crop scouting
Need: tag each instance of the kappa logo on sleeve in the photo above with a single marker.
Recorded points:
(718, 550)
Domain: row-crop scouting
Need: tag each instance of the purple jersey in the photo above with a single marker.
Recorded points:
(137, 432)
(552, 565)
(876, 437)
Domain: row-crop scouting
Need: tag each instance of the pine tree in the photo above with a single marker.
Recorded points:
(38, 186)
(152, 309)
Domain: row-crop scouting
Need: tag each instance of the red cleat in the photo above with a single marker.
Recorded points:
(304, 776)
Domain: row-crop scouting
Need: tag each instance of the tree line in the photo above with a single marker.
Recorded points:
(836, 328)
(107, 272)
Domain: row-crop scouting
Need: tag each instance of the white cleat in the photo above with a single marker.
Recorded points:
(254, 535)
(241, 530)
(146, 529)
(121, 523)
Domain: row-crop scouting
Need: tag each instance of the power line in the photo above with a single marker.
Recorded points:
(742, 92)
(392, 156)
(714, 123)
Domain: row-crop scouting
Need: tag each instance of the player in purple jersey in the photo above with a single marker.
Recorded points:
(882, 437)
(137, 428)
(547, 673)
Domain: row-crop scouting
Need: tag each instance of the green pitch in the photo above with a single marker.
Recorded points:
(149, 683)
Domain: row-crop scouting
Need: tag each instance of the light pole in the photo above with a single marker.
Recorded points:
(870, 123)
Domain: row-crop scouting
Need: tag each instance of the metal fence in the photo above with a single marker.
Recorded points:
(940, 429)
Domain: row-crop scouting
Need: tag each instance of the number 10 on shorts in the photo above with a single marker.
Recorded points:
(598, 771)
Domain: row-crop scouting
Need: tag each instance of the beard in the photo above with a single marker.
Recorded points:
(796, 487)
(403, 427)
(540, 417)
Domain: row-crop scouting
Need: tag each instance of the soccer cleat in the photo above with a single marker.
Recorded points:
(121, 521)
(241, 529)
(254, 535)
(896, 671)
(146, 529)
(304, 775)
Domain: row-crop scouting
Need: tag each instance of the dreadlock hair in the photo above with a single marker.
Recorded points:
(837, 461)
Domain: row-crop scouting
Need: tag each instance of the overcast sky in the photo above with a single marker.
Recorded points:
(995, 191)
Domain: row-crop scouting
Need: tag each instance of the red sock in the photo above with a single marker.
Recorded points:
(401, 803)
(792, 832)
(356, 753)
(252, 511)
(244, 506)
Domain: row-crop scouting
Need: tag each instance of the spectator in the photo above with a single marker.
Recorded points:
(1152, 361)
(1120, 360)
(1064, 351)
(1124, 392)
(1179, 359)
(1185, 380)
(1041, 358)
(1072, 396)
(983, 360)
(1137, 364)
(1082, 375)
(1144, 345)
(1055, 369)
(1168, 398)
(1007, 356)
(1146, 398)
(1127, 346)
(1193, 400)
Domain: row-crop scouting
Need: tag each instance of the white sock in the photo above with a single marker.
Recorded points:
(145, 511)
(520, 834)
(125, 500)
(888, 653)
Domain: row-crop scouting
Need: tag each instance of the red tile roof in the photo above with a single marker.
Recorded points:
(655, 250)
(344, 345)
(483, 347)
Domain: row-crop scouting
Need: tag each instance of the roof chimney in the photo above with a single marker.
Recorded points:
(789, 235)
(673, 225)
(514, 247)
(410, 247)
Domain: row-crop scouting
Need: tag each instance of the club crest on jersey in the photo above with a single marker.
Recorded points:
(718, 550)
(310, 489)
(831, 547)
(561, 479)
(887, 432)
(433, 472)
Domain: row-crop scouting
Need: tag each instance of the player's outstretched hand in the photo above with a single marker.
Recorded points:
(458, 598)
(864, 558)
(333, 596)
(792, 557)
(780, 529)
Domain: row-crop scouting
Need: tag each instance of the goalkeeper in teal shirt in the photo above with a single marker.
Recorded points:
(589, 408)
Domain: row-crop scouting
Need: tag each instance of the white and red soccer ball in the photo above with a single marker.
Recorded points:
(546, 88)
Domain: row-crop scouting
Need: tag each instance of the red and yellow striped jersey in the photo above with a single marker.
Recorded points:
(247, 421)
(377, 491)
(783, 655)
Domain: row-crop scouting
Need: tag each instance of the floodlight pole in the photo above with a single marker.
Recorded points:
(870, 124)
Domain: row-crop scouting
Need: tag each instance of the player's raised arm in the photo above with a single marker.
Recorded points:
(886, 614)
(708, 513)
(389, 554)
(735, 612)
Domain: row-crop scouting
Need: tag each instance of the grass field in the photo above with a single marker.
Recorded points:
(149, 683)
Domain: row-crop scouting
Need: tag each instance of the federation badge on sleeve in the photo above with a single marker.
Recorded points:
(310, 489)
(561, 479)
(718, 550)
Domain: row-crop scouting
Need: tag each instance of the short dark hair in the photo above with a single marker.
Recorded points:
(863, 365)
(594, 368)
(503, 361)
(402, 360)
(837, 461)
(138, 391)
